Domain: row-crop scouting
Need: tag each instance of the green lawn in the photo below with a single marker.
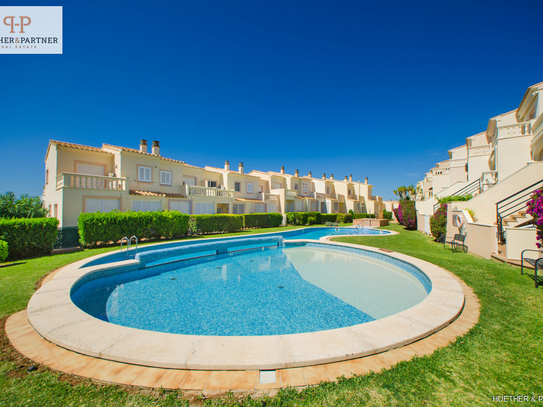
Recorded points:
(501, 355)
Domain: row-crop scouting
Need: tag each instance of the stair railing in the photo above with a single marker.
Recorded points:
(513, 204)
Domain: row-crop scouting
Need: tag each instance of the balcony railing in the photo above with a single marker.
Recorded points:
(319, 196)
(478, 151)
(331, 196)
(341, 198)
(307, 195)
(266, 197)
(291, 192)
(193, 190)
(85, 181)
(515, 130)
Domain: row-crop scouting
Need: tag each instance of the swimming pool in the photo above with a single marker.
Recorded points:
(312, 233)
(53, 314)
(296, 288)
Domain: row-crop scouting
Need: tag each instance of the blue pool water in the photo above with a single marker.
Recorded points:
(273, 291)
(314, 233)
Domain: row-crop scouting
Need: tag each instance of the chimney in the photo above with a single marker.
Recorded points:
(240, 168)
(282, 169)
(345, 178)
(351, 177)
(332, 177)
(227, 165)
(309, 175)
(323, 175)
(296, 173)
(156, 147)
(143, 146)
(366, 180)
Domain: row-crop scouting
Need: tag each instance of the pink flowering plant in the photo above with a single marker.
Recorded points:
(535, 208)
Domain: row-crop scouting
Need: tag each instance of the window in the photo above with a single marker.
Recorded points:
(314, 207)
(238, 209)
(145, 206)
(272, 208)
(165, 178)
(211, 184)
(249, 187)
(260, 188)
(101, 205)
(260, 208)
(181, 206)
(296, 187)
(46, 177)
(336, 206)
(91, 169)
(56, 211)
(299, 206)
(237, 187)
(328, 190)
(189, 180)
(144, 174)
(305, 188)
(204, 208)
(277, 185)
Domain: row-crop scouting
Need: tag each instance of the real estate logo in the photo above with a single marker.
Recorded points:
(31, 30)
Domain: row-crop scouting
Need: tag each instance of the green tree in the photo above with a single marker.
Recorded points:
(406, 193)
(24, 207)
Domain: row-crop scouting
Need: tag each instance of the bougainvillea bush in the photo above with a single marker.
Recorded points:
(408, 215)
(438, 222)
(535, 208)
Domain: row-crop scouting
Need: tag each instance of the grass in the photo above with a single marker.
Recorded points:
(501, 355)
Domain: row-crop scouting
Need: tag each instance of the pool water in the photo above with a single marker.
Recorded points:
(268, 292)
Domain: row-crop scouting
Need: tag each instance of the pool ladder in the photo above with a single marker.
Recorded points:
(129, 244)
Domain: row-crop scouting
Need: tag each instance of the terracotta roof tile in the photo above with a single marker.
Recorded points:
(223, 171)
(133, 150)
(249, 200)
(78, 146)
(161, 194)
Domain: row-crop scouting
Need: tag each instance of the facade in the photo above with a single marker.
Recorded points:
(503, 166)
(81, 179)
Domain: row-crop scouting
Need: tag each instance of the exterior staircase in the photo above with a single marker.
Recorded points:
(520, 218)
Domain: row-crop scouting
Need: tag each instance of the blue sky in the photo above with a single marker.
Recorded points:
(374, 89)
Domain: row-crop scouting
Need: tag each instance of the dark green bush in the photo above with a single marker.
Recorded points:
(302, 218)
(202, 224)
(24, 207)
(344, 218)
(28, 237)
(329, 217)
(113, 226)
(438, 222)
(256, 220)
(387, 215)
(3, 251)
(364, 216)
(276, 219)
(454, 198)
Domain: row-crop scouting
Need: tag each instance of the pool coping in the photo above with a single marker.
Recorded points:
(53, 315)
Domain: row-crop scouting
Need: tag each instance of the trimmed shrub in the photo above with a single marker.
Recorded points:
(454, 198)
(408, 215)
(328, 217)
(113, 226)
(302, 218)
(275, 219)
(256, 220)
(3, 250)
(364, 216)
(344, 218)
(387, 215)
(438, 222)
(28, 237)
(202, 224)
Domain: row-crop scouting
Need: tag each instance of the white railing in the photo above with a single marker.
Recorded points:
(319, 196)
(270, 197)
(291, 192)
(85, 181)
(332, 196)
(341, 198)
(458, 162)
(307, 194)
(193, 190)
(515, 130)
(478, 151)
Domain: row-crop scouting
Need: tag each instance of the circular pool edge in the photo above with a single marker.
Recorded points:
(53, 315)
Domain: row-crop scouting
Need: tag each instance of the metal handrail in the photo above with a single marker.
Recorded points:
(464, 191)
(503, 210)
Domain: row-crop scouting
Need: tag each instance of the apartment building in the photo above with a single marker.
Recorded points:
(81, 179)
(500, 168)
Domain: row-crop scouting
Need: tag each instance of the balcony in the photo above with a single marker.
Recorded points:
(341, 198)
(96, 182)
(331, 196)
(478, 151)
(515, 130)
(307, 195)
(211, 192)
(291, 193)
(270, 198)
(319, 196)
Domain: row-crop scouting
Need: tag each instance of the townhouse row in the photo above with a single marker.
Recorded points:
(80, 179)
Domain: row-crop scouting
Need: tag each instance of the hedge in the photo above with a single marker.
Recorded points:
(387, 215)
(344, 218)
(438, 222)
(3, 251)
(328, 217)
(201, 224)
(262, 220)
(363, 215)
(113, 226)
(302, 218)
(28, 237)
